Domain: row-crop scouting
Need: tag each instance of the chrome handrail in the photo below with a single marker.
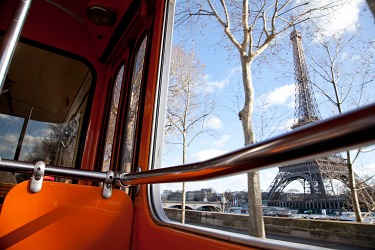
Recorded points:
(11, 38)
(26, 167)
(347, 131)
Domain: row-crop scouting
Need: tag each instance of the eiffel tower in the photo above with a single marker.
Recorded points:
(315, 175)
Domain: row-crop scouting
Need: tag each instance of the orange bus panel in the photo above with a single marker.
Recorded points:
(65, 216)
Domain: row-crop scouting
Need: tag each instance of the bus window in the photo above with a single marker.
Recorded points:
(133, 104)
(42, 106)
(112, 119)
(204, 117)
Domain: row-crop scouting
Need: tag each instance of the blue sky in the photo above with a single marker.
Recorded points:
(274, 91)
(10, 129)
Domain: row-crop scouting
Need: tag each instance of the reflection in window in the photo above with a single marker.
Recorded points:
(41, 107)
(131, 117)
(10, 129)
(112, 120)
(55, 145)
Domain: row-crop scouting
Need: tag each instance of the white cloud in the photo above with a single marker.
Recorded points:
(7, 151)
(206, 154)
(5, 117)
(235, 71)
(10, 119)
(11, 139)
(222, 141)
(266, 176)
(33, 139)
(30, 142)
(283, 95)
(214, 84)
(213, 122)
(288, 124)
(368, 170)
(370, 167)
(343, 17)
(220, 84)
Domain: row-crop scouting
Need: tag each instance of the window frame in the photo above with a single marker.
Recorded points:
(84, 107)
(126, 104)
(121, 67)
(153, 190)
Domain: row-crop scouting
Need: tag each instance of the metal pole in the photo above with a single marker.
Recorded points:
(346, 131)
(22, 135)
(11, 39)
(349, 130)
(26, 167)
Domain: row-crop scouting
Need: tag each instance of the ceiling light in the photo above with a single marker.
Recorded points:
(101, 15)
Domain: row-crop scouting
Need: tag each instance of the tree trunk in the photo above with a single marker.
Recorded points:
(352, 184)
(183, 203)
(353, 189)
(255, 200)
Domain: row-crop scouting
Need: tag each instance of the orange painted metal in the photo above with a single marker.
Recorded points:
(65, 216)
(147, 234)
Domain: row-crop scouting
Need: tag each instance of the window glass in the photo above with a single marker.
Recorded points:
(112, 119)
(284, 80)
(56, 145)
(10, 127)
(41, 107)
(133, 104)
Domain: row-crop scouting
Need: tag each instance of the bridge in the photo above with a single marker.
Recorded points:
(194, 205)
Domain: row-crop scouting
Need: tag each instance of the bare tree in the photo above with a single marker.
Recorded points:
(251, 27)
(132, 113)
(367, 193)
(58, 146)
(189, 105)
(112, 120)
(268, 121)
(342, 83)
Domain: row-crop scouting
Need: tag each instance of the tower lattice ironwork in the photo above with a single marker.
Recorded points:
(315, 175)
(306, 109)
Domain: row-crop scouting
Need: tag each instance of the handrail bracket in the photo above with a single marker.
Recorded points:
(108, 184)
(37, 177)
